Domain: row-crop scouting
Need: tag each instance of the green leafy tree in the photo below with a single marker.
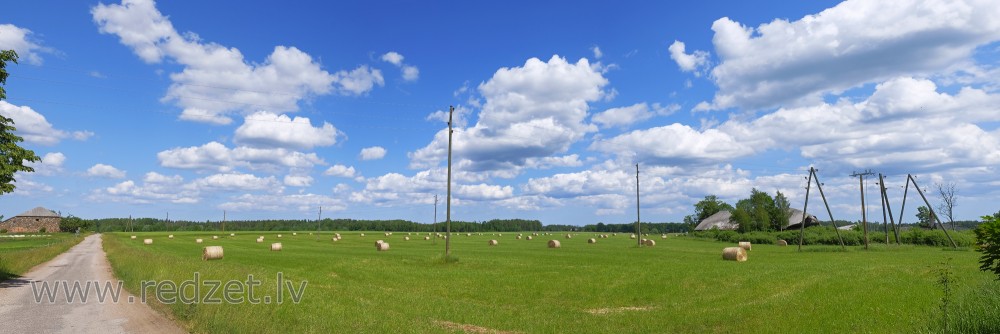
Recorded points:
(12, 156)
(71, 223)
(709, 206)
(924, 218)
(988, 241)
(780, 214)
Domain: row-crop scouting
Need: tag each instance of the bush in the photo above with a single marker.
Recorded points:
(41, 230)
(3, 230)
(825, 235)
(988, 243)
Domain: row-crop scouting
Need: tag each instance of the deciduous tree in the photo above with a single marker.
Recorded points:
(13, 158)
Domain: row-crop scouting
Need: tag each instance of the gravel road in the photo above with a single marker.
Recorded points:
(86, 262)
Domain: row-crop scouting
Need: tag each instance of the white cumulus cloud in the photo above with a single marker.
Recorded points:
(265, 129)
(372, 153)
(688, 62)
(107, 171)
(19, 39)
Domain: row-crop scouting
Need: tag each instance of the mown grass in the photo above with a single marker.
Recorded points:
(681, 285)
(18, 255)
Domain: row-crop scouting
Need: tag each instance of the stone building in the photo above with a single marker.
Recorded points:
(32, 221)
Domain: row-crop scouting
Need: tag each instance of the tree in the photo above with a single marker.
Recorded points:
(781, 212)
(924, 218)
(12, 156)
(709, 206)
(988, 241)
(947, 205)
(756, 213)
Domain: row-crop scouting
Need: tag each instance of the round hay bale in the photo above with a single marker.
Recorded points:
(745, 245)
(406, 238)
(663, 236)
(554, 244)
(382, 247)
(279, 236)
(276, 247)
(211, 253)
(232, 234)
(632, 236)
(529, 237)
(260, 240)
(782, 243)
(362, 234)
(197, 241)
(518, 237)
(337, 235)
(591, 241)
(650, 243)
(377, 242)
(614, 234)
(294, 234)
(427, 238)
(501, 234)
(215, 237)
(334, 239)
(569, 236)
(493, 242)
(642, 241)
(468, 234)
(170, 236)
(133, 237)
(387, 234)
(147, 241)
(737, 254)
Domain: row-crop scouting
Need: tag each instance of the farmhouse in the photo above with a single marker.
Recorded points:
(33, 221)
(721, 220)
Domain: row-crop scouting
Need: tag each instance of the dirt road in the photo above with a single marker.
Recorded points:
(23, 311)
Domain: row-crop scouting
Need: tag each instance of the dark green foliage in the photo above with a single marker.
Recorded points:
(924, 218)
(757, 213)
(825, 235)
(71, 223)
(13, 158)
(780, 214)
(708, 207)
(988, 243)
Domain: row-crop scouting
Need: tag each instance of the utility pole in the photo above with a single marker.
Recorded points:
(819, 186)
(638, 227)
(319, 218)
(447, 242)
(434, 225)
(931, 209)
(885, 198)
(223, 220)
(130, 228)
(864, 214)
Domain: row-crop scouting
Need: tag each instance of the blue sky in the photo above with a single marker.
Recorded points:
(272, 111)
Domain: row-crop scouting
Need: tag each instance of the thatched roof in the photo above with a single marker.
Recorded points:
(721, 221)
(38, 212)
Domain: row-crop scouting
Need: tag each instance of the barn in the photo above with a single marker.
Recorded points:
(721, 221)
(33, 221)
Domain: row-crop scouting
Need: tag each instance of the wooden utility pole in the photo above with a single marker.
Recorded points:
(130, 228)
(447, 242)
(638, 227)
(819, 186)
(864, 213)
(223, 220)
(931, 209)
(885, 219)
(888, 208)
(319, 218)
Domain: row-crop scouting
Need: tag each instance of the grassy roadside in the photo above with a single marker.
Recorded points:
(681, 285)
(18, 255)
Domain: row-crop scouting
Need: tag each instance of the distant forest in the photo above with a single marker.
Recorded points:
(397, 225)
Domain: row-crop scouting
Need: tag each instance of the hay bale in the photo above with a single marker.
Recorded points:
(745, 245)
(427, 238)
(279, 236)
(276, 247)
(493, 242)
(334, 239)
(294, 234)
(529, 237)
(337, 235)
(569, 236)
(232, 234)
(382, 247)
(554, 244)
(362, 234)
(170, 236)
(518, 237)
(737, 254)
(211, 253)
(377, 242)
(501, 234)
(260, 240)
(468, 234)
(147, 241)
(632, 236)
(782, 243)
(387, 234)
(650, 243)
(406, 238)
(133, 237)
(663, 236)
(215, 237)
(591, 241)
(197, 241)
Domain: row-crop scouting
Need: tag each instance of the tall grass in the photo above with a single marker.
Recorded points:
(681, 285)
(18, 255)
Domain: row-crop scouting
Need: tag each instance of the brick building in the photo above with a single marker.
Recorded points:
(32, 221)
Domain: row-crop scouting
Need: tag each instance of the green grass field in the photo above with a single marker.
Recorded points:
(18, 255)
(679, 286)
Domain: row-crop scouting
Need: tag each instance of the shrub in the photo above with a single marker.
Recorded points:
(988, 243)
(3, 230)
(41, 230)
